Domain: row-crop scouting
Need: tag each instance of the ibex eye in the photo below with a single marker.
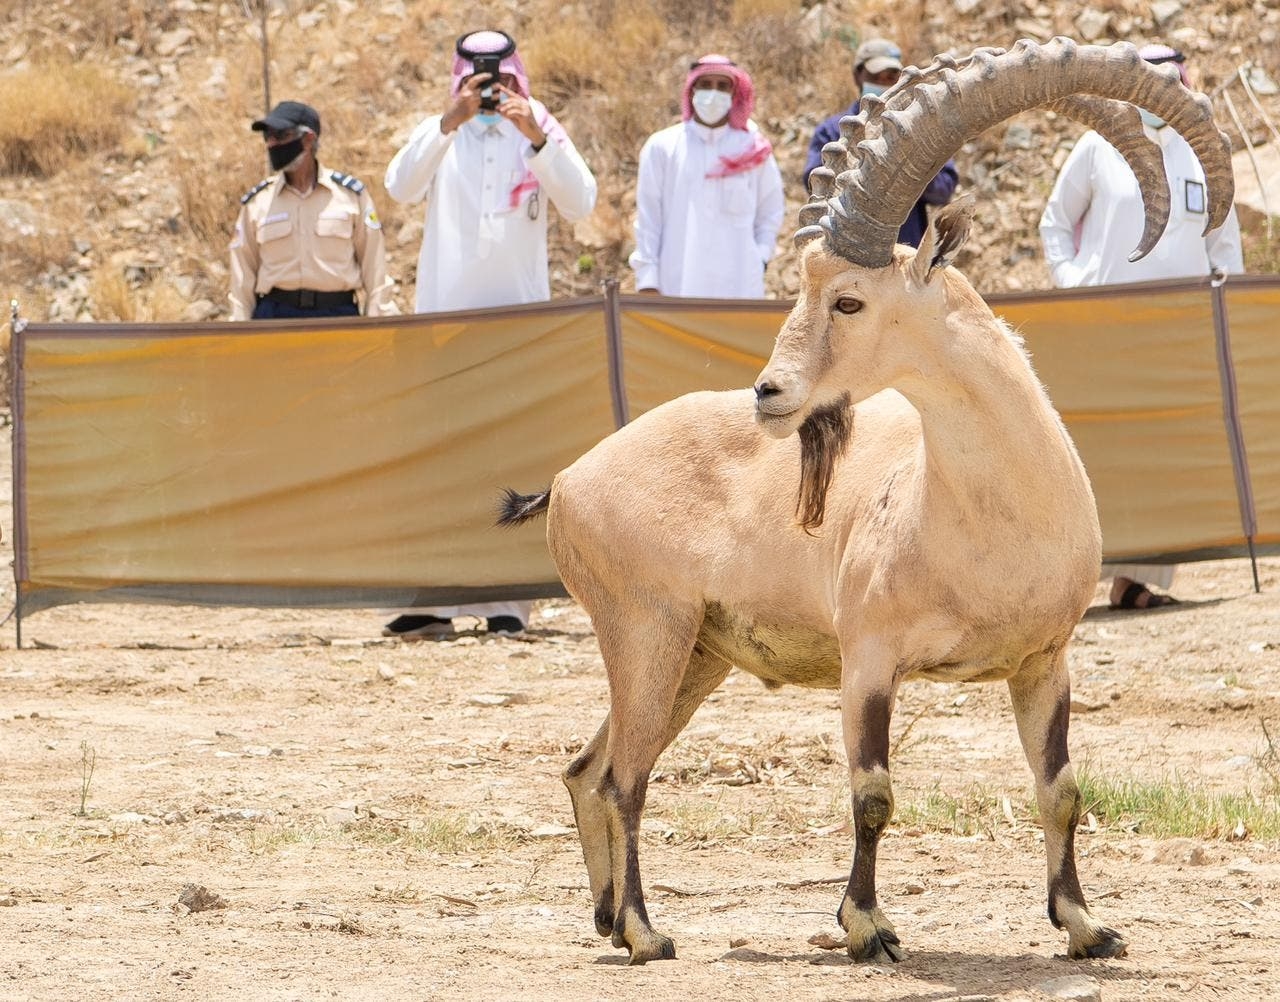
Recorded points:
(848, 305)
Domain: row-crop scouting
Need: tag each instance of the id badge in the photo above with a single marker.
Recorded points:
(1194, 197)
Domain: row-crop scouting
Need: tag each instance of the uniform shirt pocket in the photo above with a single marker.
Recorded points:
(275, 227)
(335, 247)
(338, 225)
(274, 243)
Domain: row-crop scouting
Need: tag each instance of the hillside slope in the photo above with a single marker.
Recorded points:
(134, 226)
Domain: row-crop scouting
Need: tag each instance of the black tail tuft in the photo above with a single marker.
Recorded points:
(516, 509)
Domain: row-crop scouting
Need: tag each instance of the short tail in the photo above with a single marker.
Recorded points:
(516, 509)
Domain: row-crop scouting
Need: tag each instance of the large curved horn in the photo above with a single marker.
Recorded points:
(895, 145)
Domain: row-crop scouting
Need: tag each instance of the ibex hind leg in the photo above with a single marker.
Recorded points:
(1041, 695)
(582, 777)
(657, 678)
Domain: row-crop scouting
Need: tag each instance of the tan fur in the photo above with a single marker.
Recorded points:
(960, 541)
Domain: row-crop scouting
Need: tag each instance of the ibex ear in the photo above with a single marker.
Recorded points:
(943, 239)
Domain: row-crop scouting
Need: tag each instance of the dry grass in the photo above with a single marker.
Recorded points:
(610, 70)
(55, 111)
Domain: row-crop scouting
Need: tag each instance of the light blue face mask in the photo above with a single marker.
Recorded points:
(1155, 121)
(488, 119)
(873, 89)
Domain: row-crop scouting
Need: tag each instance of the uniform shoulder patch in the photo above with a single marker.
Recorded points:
(347, 181)
(248, 195)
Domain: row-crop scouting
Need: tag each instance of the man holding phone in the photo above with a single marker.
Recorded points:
(489, 168)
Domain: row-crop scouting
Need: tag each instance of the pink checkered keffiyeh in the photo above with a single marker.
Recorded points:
(744, 101)
(481, 42)
(1164, 54)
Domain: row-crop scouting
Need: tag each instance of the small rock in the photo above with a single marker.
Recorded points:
(1092, 24)
(746, 956)
(1019, 137)
(1265, 86)
(341, 814)
(171, 41)
(133, 818)
(1242, 866)
(826, 941)
(816, 24)
(1164, 11)
(497, 698)
(553, 831)
(198, 311)
(914, 889)
(7, 901)
(386, 673)
(1177, 851)
(239, 814)
(1076, 988)
(738, 941)
(198, 898)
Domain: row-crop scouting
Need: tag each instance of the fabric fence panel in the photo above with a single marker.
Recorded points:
(1134, 373)
(675, 346)
(300, 462)
(1252, 309)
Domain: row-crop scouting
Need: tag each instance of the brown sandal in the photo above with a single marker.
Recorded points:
(1139, 596)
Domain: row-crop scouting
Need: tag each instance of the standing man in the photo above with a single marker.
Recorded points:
(709, 193)
(1094, 218)
(877, 64)
(307, 242)
(488, 168)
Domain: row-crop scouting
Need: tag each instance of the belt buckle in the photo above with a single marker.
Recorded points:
(307, 299)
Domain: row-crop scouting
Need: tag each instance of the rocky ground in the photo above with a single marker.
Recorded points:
(138, 231)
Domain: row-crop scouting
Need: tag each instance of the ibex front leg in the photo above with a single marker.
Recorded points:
(1041, 693)
(866, 735)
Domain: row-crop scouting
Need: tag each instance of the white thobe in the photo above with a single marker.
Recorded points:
(1094, 219)
(479, 249)
(698, 235)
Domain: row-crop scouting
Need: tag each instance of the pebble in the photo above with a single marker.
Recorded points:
(497, 698)
(198, 898)
(1076, 988)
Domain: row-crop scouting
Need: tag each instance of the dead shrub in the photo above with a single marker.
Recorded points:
(53, 112)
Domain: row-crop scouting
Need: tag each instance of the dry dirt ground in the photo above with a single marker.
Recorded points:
(385, 820)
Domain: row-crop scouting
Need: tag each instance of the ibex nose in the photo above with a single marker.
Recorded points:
(766, 389)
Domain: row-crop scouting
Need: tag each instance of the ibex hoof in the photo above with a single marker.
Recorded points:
(881, 948)
(654, 946)
(1107, 943)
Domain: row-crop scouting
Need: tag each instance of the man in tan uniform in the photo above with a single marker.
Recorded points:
(308, 239)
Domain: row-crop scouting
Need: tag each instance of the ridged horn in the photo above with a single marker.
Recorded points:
(893, 147)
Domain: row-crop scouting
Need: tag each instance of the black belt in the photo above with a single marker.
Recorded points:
(309, 299)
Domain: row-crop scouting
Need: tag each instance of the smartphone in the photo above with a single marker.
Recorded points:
(490, 65)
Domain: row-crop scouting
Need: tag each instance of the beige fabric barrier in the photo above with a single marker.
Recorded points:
(1253, 314)
(1135, 376)
(360, 462)
(286, 463)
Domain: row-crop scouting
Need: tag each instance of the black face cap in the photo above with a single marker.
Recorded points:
(289, 115)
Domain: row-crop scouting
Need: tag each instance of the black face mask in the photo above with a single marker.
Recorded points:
(285, 153)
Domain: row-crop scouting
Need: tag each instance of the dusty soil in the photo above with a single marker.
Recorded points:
(386, 820)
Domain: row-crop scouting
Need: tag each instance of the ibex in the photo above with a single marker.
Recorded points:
(930, 519)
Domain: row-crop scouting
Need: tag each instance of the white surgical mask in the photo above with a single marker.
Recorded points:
(1155, 121)
(488, 119)
(873, 89)
(711, 105)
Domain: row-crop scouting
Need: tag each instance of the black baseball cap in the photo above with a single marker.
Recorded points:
(289, 115)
